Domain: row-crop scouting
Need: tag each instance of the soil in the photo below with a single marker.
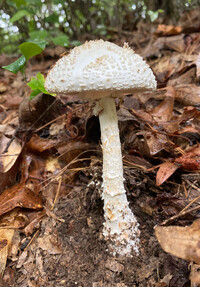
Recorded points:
(70, 250)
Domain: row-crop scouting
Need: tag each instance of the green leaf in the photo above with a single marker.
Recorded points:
(38, 35)
(38, 83)
(34, 94)
(20, 14)
(61, 40)
(59, 2)
(30, 49)
(16, 66)
(19, 2)
(54, 18)
(37, 86)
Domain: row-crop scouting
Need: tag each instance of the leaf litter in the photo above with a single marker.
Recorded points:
(51, 210)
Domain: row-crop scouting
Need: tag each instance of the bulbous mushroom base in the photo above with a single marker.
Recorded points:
(121, 228)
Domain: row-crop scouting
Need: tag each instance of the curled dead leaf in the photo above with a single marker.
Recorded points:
(19, 196)
(189, 161)
(183, 242)
(40, 144)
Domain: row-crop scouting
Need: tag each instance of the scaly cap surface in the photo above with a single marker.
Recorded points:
(97, 69)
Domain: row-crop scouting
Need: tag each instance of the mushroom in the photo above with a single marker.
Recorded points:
(102, 71)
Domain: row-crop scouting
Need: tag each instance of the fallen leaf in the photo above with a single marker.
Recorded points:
(13, 219)
(22, 258)
(188, 95)
(198, 66)
(168, 30)
(195, 274)
(19, 196)
(9, 157)
(50, 243)
(69, 150)
(165, 109)
(3, 87)
(6, 236)
(12, 101)
(186, 77)
(39, 144)
(156, 142)
(183, 242)
(154, 48)
(166, 169)
(34, 221)
(191, 160)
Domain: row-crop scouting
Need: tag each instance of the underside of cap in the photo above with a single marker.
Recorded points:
(99, 68)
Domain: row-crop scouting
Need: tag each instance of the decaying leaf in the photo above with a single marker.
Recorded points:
(198, 66)
(13, 219)
(9, 157)
(189, 161)
(19, 196)
(188, 94)
(50, 243)
(166, 169)
(183, 242)
(165, 109)
(6, 236)
(168, 30)
(195, 274)
(40, 144)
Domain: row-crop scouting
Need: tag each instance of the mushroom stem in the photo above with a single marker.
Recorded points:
(120, 225)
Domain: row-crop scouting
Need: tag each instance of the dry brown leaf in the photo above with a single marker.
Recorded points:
(195, 275)
(154, 48)
(191, 160)
(164, 68)
(198, 66)
(12, 101)
(168, 30)
(50, 243)
(13, 219)
(155, 142)
(69, 150)
(6, 236)
(19, 196)
(188, 129)
(164, 110)
(187, 77)
(142, 115)
(188, 94)
(166, 169)
(183, 242)
(39, 144)
(3, 87)
(9, 157)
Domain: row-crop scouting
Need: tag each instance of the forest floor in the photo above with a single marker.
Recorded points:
(51, 212)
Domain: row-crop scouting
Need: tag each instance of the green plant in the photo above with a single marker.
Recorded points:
(37, 86)
(28, 50)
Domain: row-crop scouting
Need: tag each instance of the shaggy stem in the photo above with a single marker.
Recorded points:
(120, 225)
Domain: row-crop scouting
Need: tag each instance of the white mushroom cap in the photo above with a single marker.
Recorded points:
(99, 68)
